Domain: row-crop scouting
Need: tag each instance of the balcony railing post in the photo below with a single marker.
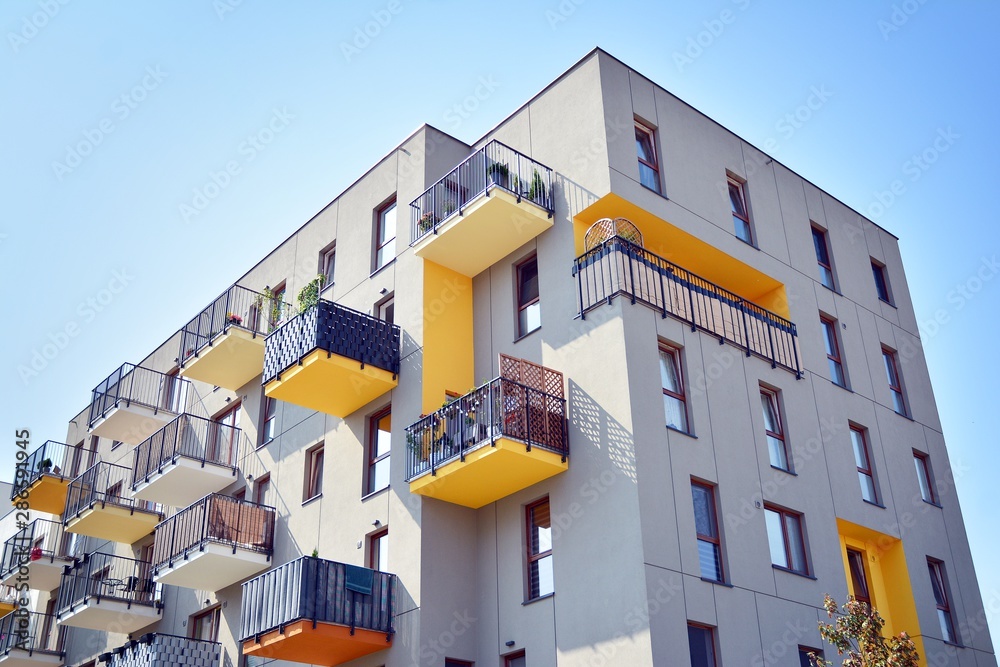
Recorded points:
(770, 340)
(746, 329)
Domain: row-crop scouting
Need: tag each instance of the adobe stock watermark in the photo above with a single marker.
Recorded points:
(704, 39)
(913, 169)
(86, 312)
(121, 108)
(900, 16)
(370, 30)
(32, 25)
(795, 120)
(223, 7)
(562, 12)
(470, 103)
(248, 150)
(960, 296)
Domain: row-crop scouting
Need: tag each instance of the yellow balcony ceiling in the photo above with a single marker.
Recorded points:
(46, 494)
(230, 360)
(326, 644)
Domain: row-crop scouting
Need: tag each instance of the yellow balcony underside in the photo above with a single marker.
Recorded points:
(113, 522)
(46, 494)
(332, 384)
(19, 657)
(6, 607)
(326, 644)
(232, 360)
(487, 230)
(489, 474)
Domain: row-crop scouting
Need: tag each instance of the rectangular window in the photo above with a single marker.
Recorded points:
(262, 490)
(881, 282)
(741, 217)
(327, 264)
(645, 147)
(823, 257)
(378, 550)
(895, 382)
(175, 392)
(707, 529)
(539, 525)
(804, 658)
(385, 234)
(379, 446)
(269, 421)
(515, 660)
(784, 535)
(862, 458)
(832, 343)
(529, 309)
(223, 444)
(774, 430)
(385, 309)
(205, 625)
(940, 585)
(313, 485)
(453, 662)
(672, 382)
(924, 479)
(701, 642)
(859, 579)
(276, 306)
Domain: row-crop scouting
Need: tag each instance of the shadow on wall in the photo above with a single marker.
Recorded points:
(597, 435)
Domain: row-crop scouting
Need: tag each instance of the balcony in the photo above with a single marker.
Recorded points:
(224, 344)
(8, 600)
(185, 460)
(318, 612)
(160, 650)
(41, 478)
(500, 438)
(36, 555)
(107, 592)
(482, 210)
(617, 266)
(134, 402)
(331, 359)
(214, 543)
(27, 639)
(95, 506)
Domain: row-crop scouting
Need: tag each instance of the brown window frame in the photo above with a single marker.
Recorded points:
(371, 455)
(675, 355)
(714, 540)
(654, 166)
(821, 239)
(523, 305)
(712, 639)
(859, 575)
(835, 355)
(267, 421)
(508, 660)
(786, 539)
(740, 186)
(379, 244)
(215, 612)
(939, 584)
(773, 396)
(922, 461)
(312, 484)
(261, 487)
(891, 362)
(456, 662)
(325, 255)
(531, 583)
(868, 472)
(882, 289)
(386, 305)
(374, 554)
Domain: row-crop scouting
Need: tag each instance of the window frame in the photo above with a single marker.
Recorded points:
(532, 592)
(785, 514)
(379, 244)
(521, 305)
(821, 240)
(312, 485)
(654, 166)
(508, 660)
(858, 569)
(834, 355)
(714, 540)
(922, 462)
(881, 278)
(386, 305)
(711, 642)
(868, 471)
(325, 256)
(674, 353)
(261, 487)
(939, 584)
(268, 420)
(214, 612)
(890, 360)
(773, 396)
(371, 455)
(805, 651)
(740, 186)
(375, 549)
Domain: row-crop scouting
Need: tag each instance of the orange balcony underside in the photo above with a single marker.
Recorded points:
(233, 359)
(7, 607)
(330, 383)
(47, 494)
(113, 522)
(326, 644)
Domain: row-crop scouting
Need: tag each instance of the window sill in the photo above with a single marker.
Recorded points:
(265, 444)
(523, 336)
(382, 268)
(655, 192)
(953, 644)
(309, 501)
(795, 572)
(538, 599)
(868, 502)
(905, 416)
(931, 502)
(716, 582)
(785, 470)
(677, 430)
(842, 386)
(374, 493)
(832, 289)
(888, 303)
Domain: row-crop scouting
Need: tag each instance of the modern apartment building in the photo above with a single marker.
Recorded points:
(609, 386)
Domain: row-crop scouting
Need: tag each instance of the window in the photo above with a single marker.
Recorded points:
(804, 659)
(738, 203)
(939, 584)
(895, 382)
(863, 461)
(277, 306)
(385, 309)
(327, 263)
(773, 429)
(529, 308)
(784, 535)
(515, 660)
(833, 350)
(823, 257)
(175, 392)
(378, 550)
(452, 662)
(539, 524)
(205, 625)
(707, 528)
(701, 642)
(672, 382)
(881, 282)
(385, 234)
(924, 479)
(313, 485)
(222, 447)
(379, 441)
(95, 443)
(645, 147)
(859, 580)
(262, 490)
(268, 421)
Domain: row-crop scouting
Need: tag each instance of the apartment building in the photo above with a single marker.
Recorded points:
(609, 386)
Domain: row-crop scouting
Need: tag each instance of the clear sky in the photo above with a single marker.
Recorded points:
(115, 116)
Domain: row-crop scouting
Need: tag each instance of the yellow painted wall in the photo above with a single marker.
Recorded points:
(448, 356)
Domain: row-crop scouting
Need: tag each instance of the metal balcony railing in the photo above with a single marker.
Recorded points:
(41, 539)
(191, 437)
(619, 267)
(501, 408)
(336, 329)
(236, 307)
(51, 458)
(312, 589)
(493, 166)
(131, 384)
(29, 631)
(103, 484)
(100, 576)
(218, 519)
(157, 648)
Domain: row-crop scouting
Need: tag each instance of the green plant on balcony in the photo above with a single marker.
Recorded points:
(267, 299)
(536, 192)
(309, 295)
(499, 174)
(45, 465)
(233, 318)
(426, 222)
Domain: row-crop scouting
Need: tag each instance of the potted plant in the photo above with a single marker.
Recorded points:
(426, 222)
(45, 465)
(536, 192)
(309, 295)
(233, 318)
(448, 207)
(36, 553)
(499, 174)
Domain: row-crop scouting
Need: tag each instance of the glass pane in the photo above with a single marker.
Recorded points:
(644, 146)
(530, 318)
(890, 369)
(675, 414)
(702, 646)
(385, 253)
(819, 242)
(380, 475)
(519, 661)
(923, 479)
(836, 372)
(543, 584)
(829, 338)
(387, 225)
(897, 403)
(669, 375)
(881, 288)
(742, 229)
(736, 200)
(776, 538)
(649, 177)
(776, 452)
(527, 276)
(860, 455)
(710, 560)
(795, 543)
(383, 436)
(826, 276)
(867, 488)
(704, 510)
(771, 420)
(947, 631)
(541, 529)
(936, 584)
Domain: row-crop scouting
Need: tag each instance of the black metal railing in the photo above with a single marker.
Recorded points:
(51, 458)
(131, 384)
(100, 576)
(336, 329)
(237, 307)
(501, 408)
(312, 589)
(41, 539)
(218, 519)
(619, 267)
(104, 484)
(493, 166)
(191, 437)
(157, 648)
(29, 631)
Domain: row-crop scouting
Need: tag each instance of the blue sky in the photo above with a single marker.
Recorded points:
(153, 152)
